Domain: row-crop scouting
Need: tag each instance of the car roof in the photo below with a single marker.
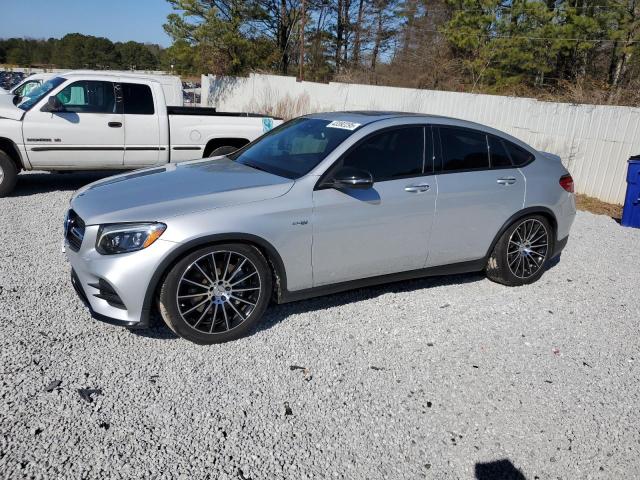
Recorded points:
(364, 117)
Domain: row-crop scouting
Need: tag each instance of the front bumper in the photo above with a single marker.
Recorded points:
(77, 286)
(127, 277)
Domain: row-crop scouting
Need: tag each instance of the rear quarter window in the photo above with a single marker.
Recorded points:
(519, 156)
(138, 99)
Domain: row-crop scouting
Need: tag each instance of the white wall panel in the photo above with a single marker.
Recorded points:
(594, 141)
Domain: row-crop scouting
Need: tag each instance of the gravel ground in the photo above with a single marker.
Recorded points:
(443, 378)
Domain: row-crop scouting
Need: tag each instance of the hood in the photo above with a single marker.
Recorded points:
(8, 109)
(159, 193)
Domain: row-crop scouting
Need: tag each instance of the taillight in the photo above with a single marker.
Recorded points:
(566, 182)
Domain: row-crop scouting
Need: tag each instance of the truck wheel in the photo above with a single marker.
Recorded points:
(8, 174)
(225, 150)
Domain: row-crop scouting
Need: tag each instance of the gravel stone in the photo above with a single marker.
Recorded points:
(552, 395)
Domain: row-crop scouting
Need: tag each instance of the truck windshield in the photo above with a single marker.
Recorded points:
(38, 93)
(294, 148)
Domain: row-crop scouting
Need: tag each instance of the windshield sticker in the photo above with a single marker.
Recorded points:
(343, 125)
(267, 124)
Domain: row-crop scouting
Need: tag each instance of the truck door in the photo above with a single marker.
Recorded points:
(86, 132)
(142, 128)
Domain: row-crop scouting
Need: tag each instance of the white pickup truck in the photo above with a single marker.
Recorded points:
(80, 121)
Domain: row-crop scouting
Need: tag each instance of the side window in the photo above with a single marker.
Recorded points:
(519, 156)
(88, 97)
(463, 149)
(24, 90)
(138, 99)
(498, 154)
(391, 154)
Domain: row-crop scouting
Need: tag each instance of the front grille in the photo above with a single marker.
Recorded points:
(74, 230)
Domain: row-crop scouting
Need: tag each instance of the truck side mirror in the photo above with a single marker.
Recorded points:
(53, 105)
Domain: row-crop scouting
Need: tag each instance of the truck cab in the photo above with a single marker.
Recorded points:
(103, 121)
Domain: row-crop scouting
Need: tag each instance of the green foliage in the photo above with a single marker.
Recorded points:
(525, 42)
(76, 50)
(219, 36)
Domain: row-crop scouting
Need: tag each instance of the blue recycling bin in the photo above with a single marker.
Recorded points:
(631, 212)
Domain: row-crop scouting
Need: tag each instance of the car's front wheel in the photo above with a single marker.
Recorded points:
(217, 293)
(520, 255)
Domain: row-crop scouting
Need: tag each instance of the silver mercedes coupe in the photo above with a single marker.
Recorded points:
(323, 203)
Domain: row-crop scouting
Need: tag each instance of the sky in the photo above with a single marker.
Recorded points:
(117, 20)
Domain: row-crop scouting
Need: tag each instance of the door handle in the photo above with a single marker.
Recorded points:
(115, 124)
(417, 188)
(506, 180)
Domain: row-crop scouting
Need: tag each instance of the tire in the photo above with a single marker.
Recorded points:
(522, 252)
(8, 174)
(220, 303)
(224, 150)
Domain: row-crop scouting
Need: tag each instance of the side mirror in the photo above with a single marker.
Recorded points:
(53, 105)
(349, 177)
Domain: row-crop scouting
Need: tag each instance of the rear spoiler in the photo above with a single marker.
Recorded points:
(551, 156)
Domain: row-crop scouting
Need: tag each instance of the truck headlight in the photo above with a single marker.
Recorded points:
(127, 237)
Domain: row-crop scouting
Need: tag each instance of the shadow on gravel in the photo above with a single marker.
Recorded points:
(498, 470)
(43, 182)
(159, 331)
(278, 313)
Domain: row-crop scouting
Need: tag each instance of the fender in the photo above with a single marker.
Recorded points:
(167, 263)
(11, 148)
(214, 142)
(522, 213)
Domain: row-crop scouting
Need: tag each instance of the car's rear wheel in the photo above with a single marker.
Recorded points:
(521, 253)
(8, 174)
(217, 293)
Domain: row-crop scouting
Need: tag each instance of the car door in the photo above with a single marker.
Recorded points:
(384, 229)
(479, 189)
(141, 127)
(85, 133)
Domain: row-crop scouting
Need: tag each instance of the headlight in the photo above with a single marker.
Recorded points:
(127, 237)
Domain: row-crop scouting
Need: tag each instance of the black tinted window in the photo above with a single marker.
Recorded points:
(499, 156)
(463, 149)
(137, 99)
(88, 96)
(519, 156)
(389, 155)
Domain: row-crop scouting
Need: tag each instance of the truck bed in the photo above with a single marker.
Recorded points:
(211, 112)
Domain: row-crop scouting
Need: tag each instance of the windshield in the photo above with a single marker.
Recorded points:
(296, 147)
(38, 93)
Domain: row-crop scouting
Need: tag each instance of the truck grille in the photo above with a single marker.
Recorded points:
(74, 230)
